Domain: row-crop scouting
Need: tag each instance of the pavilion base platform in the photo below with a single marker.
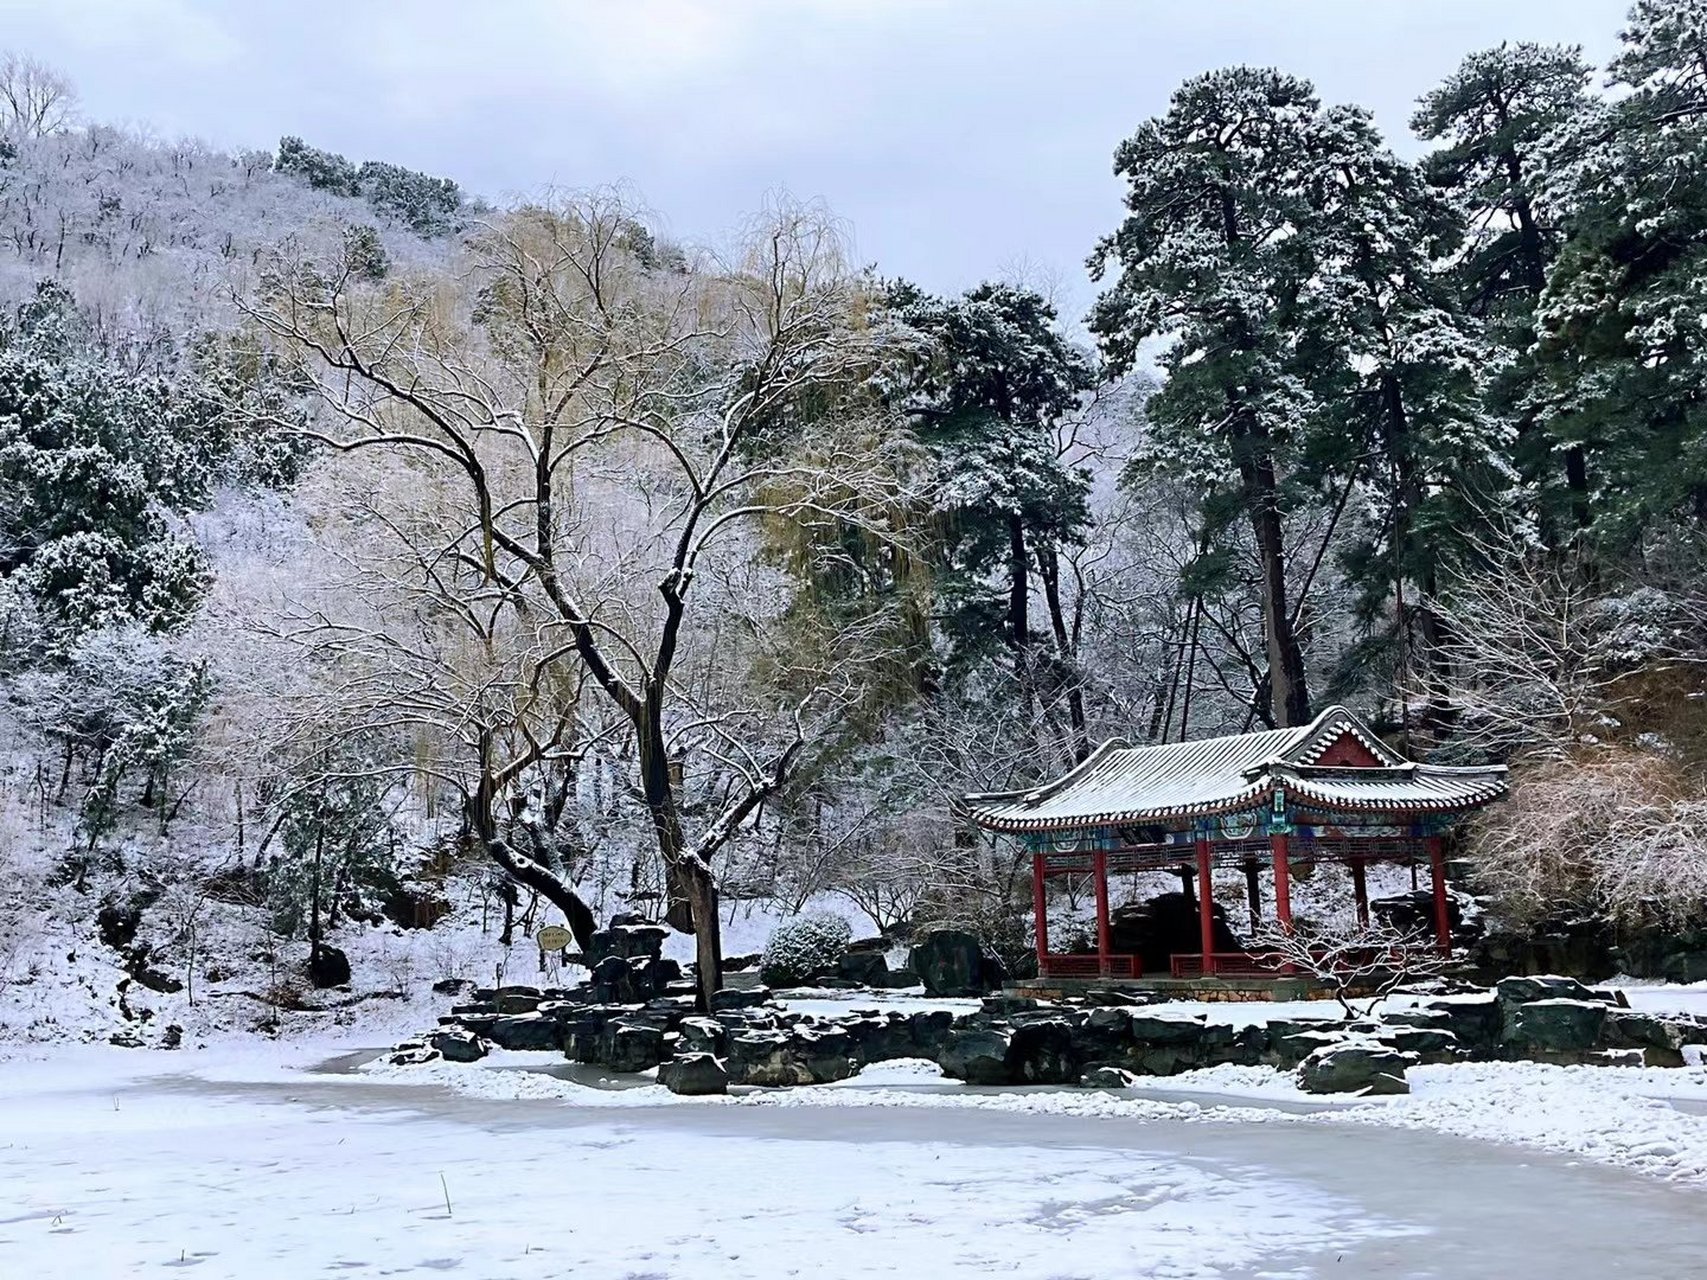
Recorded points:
(1270, 987)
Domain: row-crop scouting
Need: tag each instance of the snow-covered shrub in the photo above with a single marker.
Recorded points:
(1616, 833)
(804, 947)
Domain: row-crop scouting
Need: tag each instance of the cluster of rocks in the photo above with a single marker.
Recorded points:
(1591, 950)
(944, 961)
(1536, 1019)
(638, 1013)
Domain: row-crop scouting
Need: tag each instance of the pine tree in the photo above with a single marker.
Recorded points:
(1622, 338)
(996, 379)
(1406, 391)
(1217, 254)
(93, 457)
(1492, 118)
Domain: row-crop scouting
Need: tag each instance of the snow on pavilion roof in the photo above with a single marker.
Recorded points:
(1119, 784)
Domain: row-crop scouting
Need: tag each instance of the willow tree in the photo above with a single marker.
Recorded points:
(612, 425)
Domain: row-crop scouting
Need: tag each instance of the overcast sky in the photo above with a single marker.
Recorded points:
(961, 139)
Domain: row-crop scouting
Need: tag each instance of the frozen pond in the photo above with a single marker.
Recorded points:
(319, 1176)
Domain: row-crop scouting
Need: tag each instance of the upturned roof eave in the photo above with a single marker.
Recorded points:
(1296, 790)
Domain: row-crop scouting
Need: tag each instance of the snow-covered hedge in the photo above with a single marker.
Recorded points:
(804, 947)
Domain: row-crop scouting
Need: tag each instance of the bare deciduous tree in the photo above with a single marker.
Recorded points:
(35, 99)
(1373, 959)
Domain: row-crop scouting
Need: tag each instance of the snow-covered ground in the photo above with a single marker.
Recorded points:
(240, 1162)
(112, 1173)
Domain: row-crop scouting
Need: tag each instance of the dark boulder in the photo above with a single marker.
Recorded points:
(454, 1044)
(863, 968)
(412, 905)
(1162, 1046)
(765, 1058)
(929, 1031)
(1521, 990)
(1108, 1078)
(633, 1046)
(1104, 1035)
(142, 969)
(694, 1075)
(1554, 1028)
(1043, 1052)
(1581, 949)
(328, 966)
(977, 1055)
(1355, 1068)
(516, 999)
(1674, 955)
(1290, 1049)
(702, 1035)
(730, 998)
(1163, 926)
(118, 920)
(826, 1054)
(1241, 1046)
(526, 1031)
(1660, 1040)
(628, 937)
(952, 962)
(1429, 1044)
(1476, 1021)
(631, 979)
(411, 1053)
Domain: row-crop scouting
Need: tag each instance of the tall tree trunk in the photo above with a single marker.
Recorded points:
(1534, 265)
(1288, 689)
(1019, 586)
(692, 906)
(314, 893)
(1067, 666)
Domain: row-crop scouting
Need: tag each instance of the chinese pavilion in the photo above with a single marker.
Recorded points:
(1330, 791)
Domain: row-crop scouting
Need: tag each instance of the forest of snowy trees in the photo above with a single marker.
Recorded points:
(360, 540)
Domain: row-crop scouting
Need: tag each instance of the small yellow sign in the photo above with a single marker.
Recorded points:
(554, 937)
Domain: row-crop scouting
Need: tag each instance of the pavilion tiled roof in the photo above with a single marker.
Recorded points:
(1119, 784)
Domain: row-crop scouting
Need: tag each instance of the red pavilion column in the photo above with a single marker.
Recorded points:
(1099, 867)
(1442, 920)
(1282, 880)
(1205, 904)
(1040, 912)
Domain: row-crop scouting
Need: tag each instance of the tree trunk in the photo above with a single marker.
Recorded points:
(692, 906)
(708, 931)
(1049, 570)
(314, 894)
(1019, 587)
(1576, 482)
(1288, 690)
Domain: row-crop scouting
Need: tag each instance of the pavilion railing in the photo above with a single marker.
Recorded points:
(1081, 965)
(1249, 964)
